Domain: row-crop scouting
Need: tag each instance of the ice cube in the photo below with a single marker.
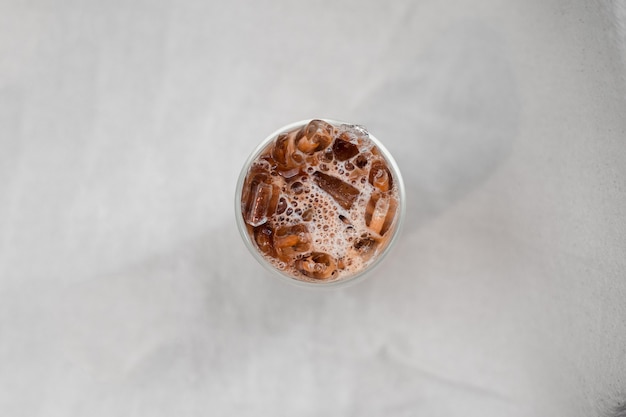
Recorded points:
(343, 193)
(253, 194)
(264, 238)
(380, 212)
(344, 149)
(292, 240)
(317, 265)
(283, 153)
(314, 137)
(257, 209)
(380, 177)
(280, 151)
(391, 215)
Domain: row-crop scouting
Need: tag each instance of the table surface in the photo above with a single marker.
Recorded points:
(125, 288)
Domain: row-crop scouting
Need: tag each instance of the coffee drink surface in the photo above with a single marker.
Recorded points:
(320, 202)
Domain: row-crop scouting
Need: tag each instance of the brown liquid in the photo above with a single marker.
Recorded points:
(320, 202)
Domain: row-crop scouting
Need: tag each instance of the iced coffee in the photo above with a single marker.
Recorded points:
(320, 202)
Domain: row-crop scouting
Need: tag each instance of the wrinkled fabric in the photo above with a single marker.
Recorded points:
(126, 290)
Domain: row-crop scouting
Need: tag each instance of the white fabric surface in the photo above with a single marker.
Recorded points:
(125, 289)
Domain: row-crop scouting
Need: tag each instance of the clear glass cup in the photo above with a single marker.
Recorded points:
(351, 279)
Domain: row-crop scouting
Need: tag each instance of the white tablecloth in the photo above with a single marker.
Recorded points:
(125, 289)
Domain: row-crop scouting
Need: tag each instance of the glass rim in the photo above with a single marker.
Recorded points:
(342, 282)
